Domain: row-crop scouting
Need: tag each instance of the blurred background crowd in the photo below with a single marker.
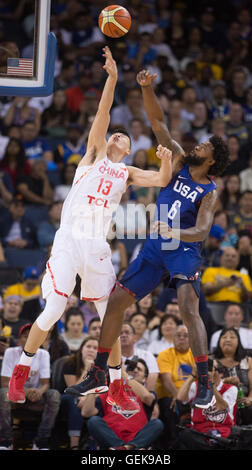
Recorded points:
(202, 56)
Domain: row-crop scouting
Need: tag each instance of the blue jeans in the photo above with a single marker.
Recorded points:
(106, 437)
(75, 420)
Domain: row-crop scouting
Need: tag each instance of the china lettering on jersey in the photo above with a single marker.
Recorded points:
(94, 196)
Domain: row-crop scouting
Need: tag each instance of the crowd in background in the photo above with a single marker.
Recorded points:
(202, 56)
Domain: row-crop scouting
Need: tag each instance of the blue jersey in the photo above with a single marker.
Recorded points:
(177, 205)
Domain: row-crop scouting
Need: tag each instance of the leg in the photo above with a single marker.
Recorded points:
(148, 434)
(102, 433)
(189, 307)
(5, 415)
(51, 408)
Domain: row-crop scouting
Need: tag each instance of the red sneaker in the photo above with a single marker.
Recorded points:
(117, 396)
(16, 385)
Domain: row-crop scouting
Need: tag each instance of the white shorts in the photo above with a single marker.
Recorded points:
(91, 259)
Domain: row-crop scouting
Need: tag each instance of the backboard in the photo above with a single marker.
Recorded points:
(33, 75)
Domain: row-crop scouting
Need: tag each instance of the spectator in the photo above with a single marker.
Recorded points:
(30, 292)
(129, 352)
(247, 108)
(122, 115)
(126, 81)
(237, 162)
(212, 252)
(6, 188)
(236, 368)
(12, 306)
(76, 94)
(209, 29)
(234, 318)
(199, 124)
(138, 139)
(56, 118)
(61, 190)
(224, 283)
(67, 76)
(236, 92)
(245, 252)
(74, 325)
(219, 104)
(72, 301)
(47, 228)
(55, 345)
(139, 322)
(175, 365)
(14, 160)
(116, 430)
(246, 177)
(16, 230)
(175, 119)
(74, 368)
(5, 338)
(119, 255)
(86, 38)
(242, 218)
(235, 124)
(188, 99)
(161, 47)
(168, 324)
(37, 393)
(221, 417)
(94, 327)
(176, 34)
(36, 188)
(230, 195)
(142, 54)
(73, 149)
(20, 112)
(35, 147)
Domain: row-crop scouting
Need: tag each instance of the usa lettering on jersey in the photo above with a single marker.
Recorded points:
(185, 190)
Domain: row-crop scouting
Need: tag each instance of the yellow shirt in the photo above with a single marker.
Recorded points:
(18, 289)
(179, 365)
(226, 294)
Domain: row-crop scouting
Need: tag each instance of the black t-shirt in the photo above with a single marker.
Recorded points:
(15, 326)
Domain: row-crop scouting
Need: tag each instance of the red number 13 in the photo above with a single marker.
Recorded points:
(108, 185)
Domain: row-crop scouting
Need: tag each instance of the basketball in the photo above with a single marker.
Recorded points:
(114, 21)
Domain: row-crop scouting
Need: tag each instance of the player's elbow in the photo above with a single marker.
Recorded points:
(200, 234)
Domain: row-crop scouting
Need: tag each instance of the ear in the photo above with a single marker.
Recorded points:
(128, 152)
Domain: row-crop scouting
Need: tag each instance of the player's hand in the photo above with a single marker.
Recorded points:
(145, 78)
(110, 63)
(163, 153)
(162, 228)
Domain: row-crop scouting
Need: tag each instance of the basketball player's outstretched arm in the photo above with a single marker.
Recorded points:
(97, 135)
(204, 221)
(150, 178)
(156, 116)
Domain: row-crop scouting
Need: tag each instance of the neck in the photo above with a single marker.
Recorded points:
(199, 174)
(114, 155)
(128, 351)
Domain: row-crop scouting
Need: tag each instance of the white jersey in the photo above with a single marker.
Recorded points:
(94, 197)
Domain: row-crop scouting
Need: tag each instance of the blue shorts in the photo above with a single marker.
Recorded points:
(152, 266)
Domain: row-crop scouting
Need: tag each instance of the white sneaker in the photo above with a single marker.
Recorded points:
(41, 444)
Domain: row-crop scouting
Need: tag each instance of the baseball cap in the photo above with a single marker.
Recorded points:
(31, 272)
(217, 232)
(26, 326)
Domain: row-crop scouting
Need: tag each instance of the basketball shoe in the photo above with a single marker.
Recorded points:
(118, 396)
(205, 395)
(16, 385)
(94, 382)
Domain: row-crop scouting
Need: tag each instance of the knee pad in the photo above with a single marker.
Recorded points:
(55, 306)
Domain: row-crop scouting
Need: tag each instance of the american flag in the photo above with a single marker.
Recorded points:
(22, 67)
(199, 189)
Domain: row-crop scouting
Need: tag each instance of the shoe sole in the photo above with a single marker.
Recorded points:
(204, 407)
(113, 403)
(16, 401)
(102, 389)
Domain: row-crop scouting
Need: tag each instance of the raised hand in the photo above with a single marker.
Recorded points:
(145, 78)
(110, 63)
(163, 153)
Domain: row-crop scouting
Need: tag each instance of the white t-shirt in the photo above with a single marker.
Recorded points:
(159, 345)
(148, 357)
(40, 366)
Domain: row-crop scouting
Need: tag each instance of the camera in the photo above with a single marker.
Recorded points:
(130, 364)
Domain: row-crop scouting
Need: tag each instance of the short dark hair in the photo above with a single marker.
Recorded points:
(146, 372)
(220, 155)
(73, 311)
(121, 130)
(93, 320)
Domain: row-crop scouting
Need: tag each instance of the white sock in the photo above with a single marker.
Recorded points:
(25, 360)
(115, 373)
